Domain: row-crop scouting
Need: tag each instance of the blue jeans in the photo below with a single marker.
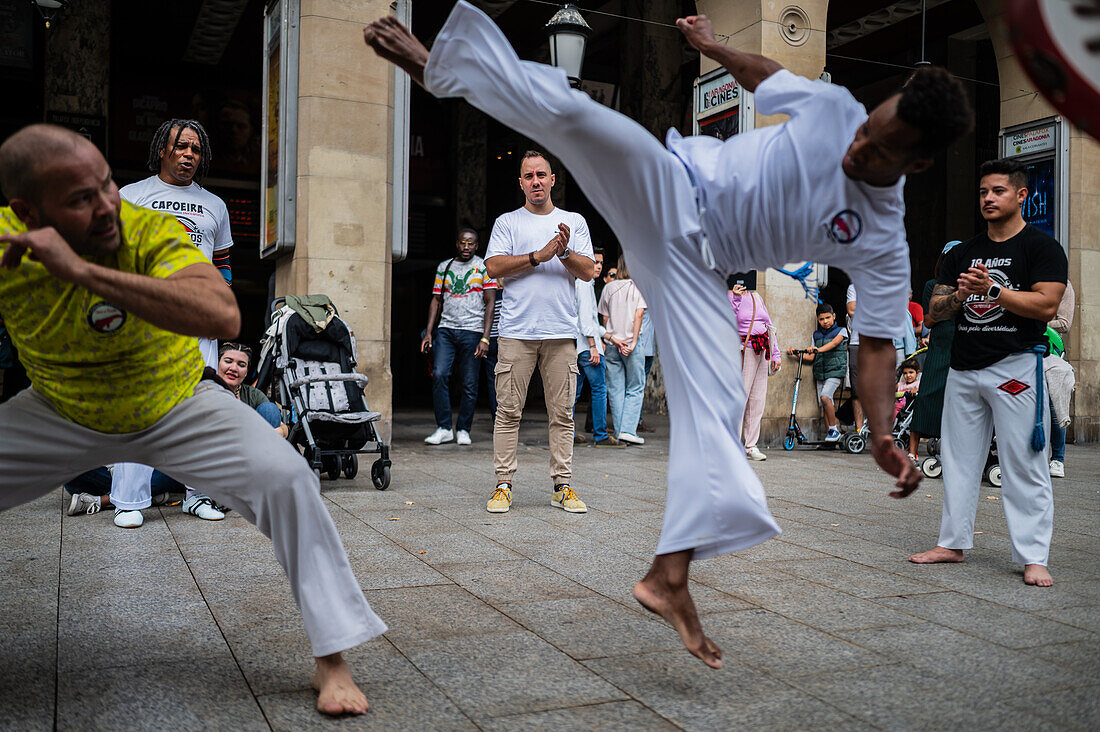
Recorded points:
(455, 347)
(489, 368)
(1057, 438)
(598, 386)
(98, 483)
(271, 413)
(625, 388)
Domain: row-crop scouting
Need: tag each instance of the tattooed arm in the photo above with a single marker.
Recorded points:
(943, 305)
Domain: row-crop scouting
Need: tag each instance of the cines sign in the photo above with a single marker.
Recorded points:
(716, 94)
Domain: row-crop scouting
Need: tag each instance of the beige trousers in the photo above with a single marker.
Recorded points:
(516, 361)
(754, 373)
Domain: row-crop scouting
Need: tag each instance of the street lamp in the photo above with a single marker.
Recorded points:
(568, 37)
(49, 8)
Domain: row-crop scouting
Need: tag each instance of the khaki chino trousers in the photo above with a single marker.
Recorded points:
(556, 359)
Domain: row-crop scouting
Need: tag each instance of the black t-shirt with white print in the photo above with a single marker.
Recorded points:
(984, 331)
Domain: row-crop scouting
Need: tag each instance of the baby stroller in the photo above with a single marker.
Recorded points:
(308, 355)
(933, 468)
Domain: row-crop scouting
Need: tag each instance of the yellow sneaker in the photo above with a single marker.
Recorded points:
(565, 498)
(501, 500)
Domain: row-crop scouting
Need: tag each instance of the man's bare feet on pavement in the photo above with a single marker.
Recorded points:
(393, 42)
(664, 591)
(336, 691)
(937, 555)
(1037, 574)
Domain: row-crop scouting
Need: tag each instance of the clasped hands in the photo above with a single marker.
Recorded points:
(974, 281)
(555, 247)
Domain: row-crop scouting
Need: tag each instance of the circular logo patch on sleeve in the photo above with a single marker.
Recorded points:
(105, 317)
(845, 227)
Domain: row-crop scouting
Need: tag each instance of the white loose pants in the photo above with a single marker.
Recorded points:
(131, 483)
(214, 440)
(715, 503)
(975, 403)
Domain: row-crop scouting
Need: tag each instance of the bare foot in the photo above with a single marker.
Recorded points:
(393, 42)
(1037, 574)
(336, 691)
(937, 555)
(674, 604)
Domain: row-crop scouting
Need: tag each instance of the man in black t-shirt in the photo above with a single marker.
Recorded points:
(1001, 287)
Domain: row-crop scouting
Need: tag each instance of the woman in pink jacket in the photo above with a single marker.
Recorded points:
(759, 358)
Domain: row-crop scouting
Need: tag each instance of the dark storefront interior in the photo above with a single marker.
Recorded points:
(163, 64)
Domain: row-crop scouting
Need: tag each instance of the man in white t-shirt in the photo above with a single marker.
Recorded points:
(463, 299)
(539, 251)
(179, 157)
(826, 186)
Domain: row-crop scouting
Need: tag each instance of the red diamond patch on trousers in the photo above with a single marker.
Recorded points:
(1014, 387)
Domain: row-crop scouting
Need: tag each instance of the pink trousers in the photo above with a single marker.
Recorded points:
(754, 372)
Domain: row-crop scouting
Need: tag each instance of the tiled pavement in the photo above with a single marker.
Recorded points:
(524, 620)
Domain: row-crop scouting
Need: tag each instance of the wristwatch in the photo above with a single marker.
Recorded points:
(564, 255)
(994, 291)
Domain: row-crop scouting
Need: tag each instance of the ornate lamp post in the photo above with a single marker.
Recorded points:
(568, 34)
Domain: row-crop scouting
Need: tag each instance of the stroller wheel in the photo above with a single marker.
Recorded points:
(855, 444)
(934, 446)
(788, 443)
(331, 466)
(380, 475)
(350, 465)
(931, 467)
(901, 444)
(993, 475)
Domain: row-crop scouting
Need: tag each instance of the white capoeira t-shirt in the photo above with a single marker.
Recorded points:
(541, 301)
(201, 213)
(778, 195)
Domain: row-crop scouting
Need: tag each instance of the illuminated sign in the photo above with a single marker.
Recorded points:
(716, 94)
(1026, 142)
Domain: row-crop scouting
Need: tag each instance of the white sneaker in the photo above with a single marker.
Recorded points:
(1057, 469)
(128, 519)
(753, 453)
(203, 507)
(440, 436)
(631, 439)
(84, 503)
(462, 437)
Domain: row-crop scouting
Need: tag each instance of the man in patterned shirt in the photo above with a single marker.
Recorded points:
(463, 299)
(104, 300)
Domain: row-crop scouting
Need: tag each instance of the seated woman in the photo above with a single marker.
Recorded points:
(233, 363)
(91, 492)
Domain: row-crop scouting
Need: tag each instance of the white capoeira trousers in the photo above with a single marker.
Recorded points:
(131, 483)
(715, 503)
(214, 440)
(974, 403)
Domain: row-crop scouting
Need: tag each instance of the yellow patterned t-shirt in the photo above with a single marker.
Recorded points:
(98, 365)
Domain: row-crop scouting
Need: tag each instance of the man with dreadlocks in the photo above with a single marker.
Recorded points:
(179, 156)
(825, 186)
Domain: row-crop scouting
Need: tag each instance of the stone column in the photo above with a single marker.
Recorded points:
(1019, 104)
(755, 27)
(345, 117)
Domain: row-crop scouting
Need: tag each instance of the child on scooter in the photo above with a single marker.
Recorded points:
(830, 360)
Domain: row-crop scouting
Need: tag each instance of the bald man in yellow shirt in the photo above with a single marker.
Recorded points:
(104, 301)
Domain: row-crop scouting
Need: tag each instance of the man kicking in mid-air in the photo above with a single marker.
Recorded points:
(104, 300)
(825, 186)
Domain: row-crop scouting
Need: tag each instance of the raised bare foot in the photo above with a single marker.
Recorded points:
(336, 691)
(937, 555)
(675, 605)
(395, 43)
(1037, 574)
